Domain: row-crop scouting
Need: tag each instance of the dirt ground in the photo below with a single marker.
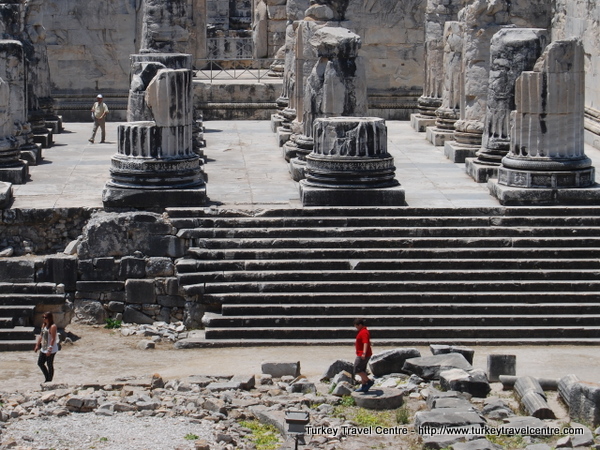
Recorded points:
(101, 355)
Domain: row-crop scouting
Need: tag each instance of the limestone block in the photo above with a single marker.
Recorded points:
(337, 367)
(89, 312)
(429, 367)
(501, 365)
(426, 422)
(280, 369)
(442, 349)
(131, 315)
(342, 389)
(379, 398)
(146, 344)
(342, 376)
(584, 405)
(391, 361)
(159, 267)
(476, 444)
(132, 267)
(140, 291)
(473, 382)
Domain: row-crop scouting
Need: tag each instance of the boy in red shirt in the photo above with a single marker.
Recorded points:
(363, 354)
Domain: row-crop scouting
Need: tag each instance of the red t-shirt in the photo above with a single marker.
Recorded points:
(362, 337)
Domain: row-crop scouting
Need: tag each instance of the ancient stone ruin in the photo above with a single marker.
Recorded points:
(156, 164)
(546, 163)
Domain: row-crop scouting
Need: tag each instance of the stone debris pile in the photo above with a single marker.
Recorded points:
(439, 402)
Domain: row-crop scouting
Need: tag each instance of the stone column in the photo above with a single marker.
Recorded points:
(336, 87)
(449, 112)
(13, 124)
(513, 50)
(546, 163)
(481, 20)
(350, 165)
(289, 77)
(437, 12)
(156, 165)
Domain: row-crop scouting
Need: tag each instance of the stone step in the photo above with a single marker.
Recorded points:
(14, 311)
(16, 345)
(186, 265)
(406, 341)
(398, 243)
(422, 334)
(17, 334)
(384, 275)
(392, 211)
(417, 298)
(386, 232)
(27, 288)
(6, 322)
(408, 309)
(427, 320)
(478, 286)
(480, 253)
(31, 299)
(380, 220)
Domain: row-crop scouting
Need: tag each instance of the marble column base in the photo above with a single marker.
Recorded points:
(276, 121)
(318, 196)
(297, 169)
(515, 196)
(15, 174)
(481, 173)
(438, 136)
(6, 195)
(458, 153)
(419, 122)
(283, 136)
(118, 197)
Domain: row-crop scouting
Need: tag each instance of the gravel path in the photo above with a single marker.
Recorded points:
(119, 432)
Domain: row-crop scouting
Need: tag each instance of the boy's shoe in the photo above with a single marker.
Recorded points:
(362, 388)
(369, 385)
(91, 141)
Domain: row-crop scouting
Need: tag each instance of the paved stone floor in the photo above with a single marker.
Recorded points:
(245, 168)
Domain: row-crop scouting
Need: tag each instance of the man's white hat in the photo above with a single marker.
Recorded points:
(99, 96)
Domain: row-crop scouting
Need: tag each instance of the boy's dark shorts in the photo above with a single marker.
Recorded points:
(360, 365)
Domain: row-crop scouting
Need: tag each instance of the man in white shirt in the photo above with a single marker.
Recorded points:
(99, 112)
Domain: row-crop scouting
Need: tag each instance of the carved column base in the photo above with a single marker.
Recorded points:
(350, 165)
(276, 122)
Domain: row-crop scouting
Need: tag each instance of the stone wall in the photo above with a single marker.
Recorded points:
(392, 35)
(41, 231)
(579, 18)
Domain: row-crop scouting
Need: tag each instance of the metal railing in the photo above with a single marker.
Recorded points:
(234, 69)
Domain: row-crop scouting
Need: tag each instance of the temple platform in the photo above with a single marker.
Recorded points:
(245, 169)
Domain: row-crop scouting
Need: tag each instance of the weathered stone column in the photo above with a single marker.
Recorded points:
(449, 111)
(350, 165)
(513, 50)
(481, 20)
(546, 163)
(319, 14)
(437, 12)
(13, 124)
(336, 87)
(156, 165)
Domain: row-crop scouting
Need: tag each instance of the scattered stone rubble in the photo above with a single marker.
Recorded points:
(454, 395)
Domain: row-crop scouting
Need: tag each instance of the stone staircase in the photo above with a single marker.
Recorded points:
(419, 276)
(17, 310)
